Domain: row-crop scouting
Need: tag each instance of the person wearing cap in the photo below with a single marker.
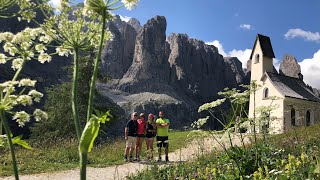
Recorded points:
(163, 135)
(150, 134)
(130, 136)
(140, 135)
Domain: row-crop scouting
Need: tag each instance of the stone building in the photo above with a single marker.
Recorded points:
(295, 103)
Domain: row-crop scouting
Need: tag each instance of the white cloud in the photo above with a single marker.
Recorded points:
(125, 18)
(245, 26)
(242, 55)
(310, 68)
(306, 35)
(54, 3)
(276, 64)
(218, 45)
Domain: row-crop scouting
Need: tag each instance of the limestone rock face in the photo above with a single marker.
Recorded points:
(135, 24)
(197, 68)
(150, 69)
(118, 53)
(174, 74)
(290, 67)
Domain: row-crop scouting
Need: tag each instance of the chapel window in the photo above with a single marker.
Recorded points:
(265, 93)
(308, 118)
(257, 58)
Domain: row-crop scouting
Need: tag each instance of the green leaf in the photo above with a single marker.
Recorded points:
(17, 140)
(89, 134)
(91, 130)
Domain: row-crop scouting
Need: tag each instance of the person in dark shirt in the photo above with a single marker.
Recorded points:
(150, 134)
(130, 134)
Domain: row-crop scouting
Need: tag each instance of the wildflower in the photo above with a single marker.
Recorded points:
(3, 58)
(24, 100)
(9, 47)
(21, 118)
(17, 63)
(40, 48)
(27, 82)
(40, 115)
(130, 4)
(25, 45)
(35, 32)
(97, 6)
(36, 95)
(6, 36)
(45, 39)
(62, 51)
(43, 57)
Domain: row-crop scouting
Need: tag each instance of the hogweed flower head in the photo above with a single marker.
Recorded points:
(40, 115)
(21, 118)
(130, 4)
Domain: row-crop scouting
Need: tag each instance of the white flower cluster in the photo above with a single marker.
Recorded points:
(40, 115)
(200, 122)
(25, 45)
(23, 117)
(212, 104)
(10, 100)
(130, 4)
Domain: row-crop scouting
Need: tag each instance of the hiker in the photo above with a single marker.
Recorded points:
(130, 134)
(140, 134)
(150, 134)
(162, 134)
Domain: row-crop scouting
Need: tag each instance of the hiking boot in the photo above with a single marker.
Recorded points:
(167, 159)
(131, 159)
(159, 160)
(125, 158)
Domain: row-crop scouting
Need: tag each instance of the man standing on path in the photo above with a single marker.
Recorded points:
(162, 134)
(130, 134)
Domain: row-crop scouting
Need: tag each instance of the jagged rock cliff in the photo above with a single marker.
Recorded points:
(175, 74)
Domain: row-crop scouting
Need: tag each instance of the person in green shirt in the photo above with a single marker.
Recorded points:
(162, 134)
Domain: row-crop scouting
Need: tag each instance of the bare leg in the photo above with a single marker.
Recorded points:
(167, 151)
(126, 151)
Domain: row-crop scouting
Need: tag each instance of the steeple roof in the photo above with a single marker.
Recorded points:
(265, 44)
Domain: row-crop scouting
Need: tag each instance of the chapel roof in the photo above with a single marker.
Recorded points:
(265, 44)
(292, 87)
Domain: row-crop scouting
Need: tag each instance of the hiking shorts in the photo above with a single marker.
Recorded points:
(162, 141)
(131, 141)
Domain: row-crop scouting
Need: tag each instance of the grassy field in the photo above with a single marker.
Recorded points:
(63, 155)
(292, 155)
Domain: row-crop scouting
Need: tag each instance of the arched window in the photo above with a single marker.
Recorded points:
(308, 118)
(265, 93)
(257, 58)
(293, 117)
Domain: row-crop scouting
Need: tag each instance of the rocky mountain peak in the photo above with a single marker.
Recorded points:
(135, 24)
(290, 67)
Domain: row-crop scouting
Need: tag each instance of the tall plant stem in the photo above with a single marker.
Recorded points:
(75, 107)
(8, 132)
(96, 68)
(84, 155)
(83, 165)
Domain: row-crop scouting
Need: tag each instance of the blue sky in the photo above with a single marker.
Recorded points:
(232, 25)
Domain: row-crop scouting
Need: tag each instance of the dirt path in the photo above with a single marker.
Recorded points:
(194, 149)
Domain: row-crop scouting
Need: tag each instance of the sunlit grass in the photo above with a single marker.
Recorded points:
(63, 155)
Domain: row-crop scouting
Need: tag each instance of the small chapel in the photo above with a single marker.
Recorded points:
(295, 103)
